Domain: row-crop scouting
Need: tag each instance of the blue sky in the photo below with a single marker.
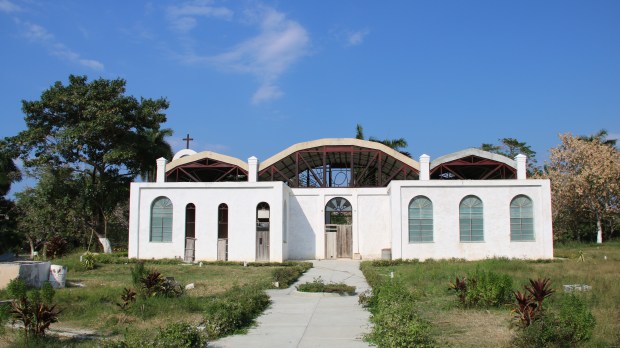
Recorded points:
(254, 77)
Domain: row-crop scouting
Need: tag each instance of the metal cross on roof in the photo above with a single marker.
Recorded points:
(187, 139)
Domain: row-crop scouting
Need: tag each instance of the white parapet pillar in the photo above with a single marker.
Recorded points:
(161, 170)
(521, 166)
(252, 169)
(425, 170)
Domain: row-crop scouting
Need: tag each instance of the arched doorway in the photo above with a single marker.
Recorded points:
(222, 232)
(262, 232)
(338, 229)
(190, 233)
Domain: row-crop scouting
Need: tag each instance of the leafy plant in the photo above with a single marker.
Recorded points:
(128, 297)
(571, 324)
(47, 292)
(35, 318)
(460, 286)
(395, 318)
(318, 285)
(137, 273)
(152, 283)
(483, 289)
(17, 288)
(540, 289)
(88, 260)
(234, 310)
(285, 276)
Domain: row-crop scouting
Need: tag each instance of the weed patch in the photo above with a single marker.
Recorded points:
(318, 285)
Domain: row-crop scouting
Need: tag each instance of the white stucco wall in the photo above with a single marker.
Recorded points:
(242, 200)
(370, 227)
(496, 196)
(380, 219)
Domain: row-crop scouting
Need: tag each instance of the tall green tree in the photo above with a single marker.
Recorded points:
(9, 174)
(50, 208)
(98, 132)
(511, 147)
(397, 144)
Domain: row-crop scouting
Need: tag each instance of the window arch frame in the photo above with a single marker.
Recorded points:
(473, 216)
(525, 237)
(190, 220)
(222, 221)
(158, 233)
(421, 220)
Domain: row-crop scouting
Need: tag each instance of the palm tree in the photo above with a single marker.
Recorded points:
(396, 144)
(157, 147)
(601, 137)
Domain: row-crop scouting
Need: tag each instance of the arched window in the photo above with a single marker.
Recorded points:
(521, 219)
(190, 221)
(471, 220)
(420, 220)
(222, 221)
(161, 220)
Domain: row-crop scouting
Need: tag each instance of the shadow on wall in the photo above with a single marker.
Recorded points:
(301, 236)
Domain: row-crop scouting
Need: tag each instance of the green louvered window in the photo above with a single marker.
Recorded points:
(161, 220)
(420, 220)
(521, 219)
(471, 220)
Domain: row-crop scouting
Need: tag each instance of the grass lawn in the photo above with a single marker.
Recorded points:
(95, 305)
(459, 327)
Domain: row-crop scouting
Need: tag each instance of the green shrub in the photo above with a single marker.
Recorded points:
(47, 293)
(234, 310)
(88, 260)
(17, 288)
(56, 247)
(565, 325)
(137, 273)
(176, 335)
(318, 285)
(483, 289)
(395, 318)
(181, 335)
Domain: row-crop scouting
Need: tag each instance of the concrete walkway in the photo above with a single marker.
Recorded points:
(297, 319)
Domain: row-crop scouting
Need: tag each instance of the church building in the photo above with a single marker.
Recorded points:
(340, 198)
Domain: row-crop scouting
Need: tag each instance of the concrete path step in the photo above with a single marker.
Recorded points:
(302, 320)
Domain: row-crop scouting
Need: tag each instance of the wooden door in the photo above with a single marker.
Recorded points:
(190, 249)
(222, 249)
(345, 241)
(262, 241)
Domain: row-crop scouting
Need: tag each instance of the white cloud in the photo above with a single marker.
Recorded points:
(8, 7)
(183, 17)
(40, 35)
(279, 44)
(357, 37)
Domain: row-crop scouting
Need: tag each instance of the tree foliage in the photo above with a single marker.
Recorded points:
(101, 136)
(585, 181)
(397, 144)
(511, 147)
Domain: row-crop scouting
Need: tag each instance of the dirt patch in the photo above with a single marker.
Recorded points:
(472, 328)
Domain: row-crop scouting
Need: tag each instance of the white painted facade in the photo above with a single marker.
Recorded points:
(380, 218)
